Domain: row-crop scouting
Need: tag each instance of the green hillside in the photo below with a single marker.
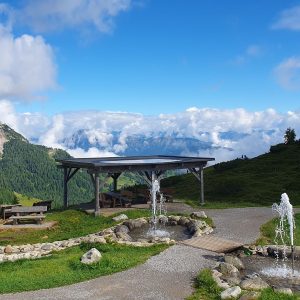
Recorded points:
(246, 182)
(31, 170)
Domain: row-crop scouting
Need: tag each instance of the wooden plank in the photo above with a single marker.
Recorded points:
(28, 217)
(28, 209)
(212, 243)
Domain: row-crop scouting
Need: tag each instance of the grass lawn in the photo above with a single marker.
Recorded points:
(70, 223)
(268, 232)
(207, 289)
(64, 267)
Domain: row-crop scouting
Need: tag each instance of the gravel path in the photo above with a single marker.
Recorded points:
(168, 275)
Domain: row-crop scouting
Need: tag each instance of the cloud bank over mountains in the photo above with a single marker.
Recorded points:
(224, 134)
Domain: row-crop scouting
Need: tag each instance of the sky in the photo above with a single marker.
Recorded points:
(231, 61)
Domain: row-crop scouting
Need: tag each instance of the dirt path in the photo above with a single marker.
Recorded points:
(168, 275)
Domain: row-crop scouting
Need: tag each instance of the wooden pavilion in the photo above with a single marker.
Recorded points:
(151, 168)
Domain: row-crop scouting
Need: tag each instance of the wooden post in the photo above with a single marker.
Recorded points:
(97, 204)
(65, 188)
(202, 186)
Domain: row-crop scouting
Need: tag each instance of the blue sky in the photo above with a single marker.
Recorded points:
(167, 56)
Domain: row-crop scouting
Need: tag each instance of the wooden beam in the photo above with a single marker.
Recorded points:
(199, 175)
(97, 204)
(66, 188)
(71, 174)
(115, 177)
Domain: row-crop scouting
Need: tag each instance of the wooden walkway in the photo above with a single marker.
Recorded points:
(212, 243)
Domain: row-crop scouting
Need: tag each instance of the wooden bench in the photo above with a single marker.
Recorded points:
(25, 213)
(6, 210)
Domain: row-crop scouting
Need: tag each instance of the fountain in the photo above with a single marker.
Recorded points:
(285, 229)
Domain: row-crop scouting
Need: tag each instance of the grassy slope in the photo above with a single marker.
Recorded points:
(252, 182)
(64, 267)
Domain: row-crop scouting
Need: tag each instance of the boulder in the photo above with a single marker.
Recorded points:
(256, 284)
(124, 236)
(228, 269)
(131, 224)
(162, 219)
(221, 283)
(174, 218)
(233, 260)
(47, 247)
(91, 257)
(198, 214)
(122, 228)
(119, 218)
(232, 292)
(232, 281)
(183, 221)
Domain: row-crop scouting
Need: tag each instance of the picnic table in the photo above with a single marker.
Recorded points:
(28, 213)
(116, 197)
(6, 209)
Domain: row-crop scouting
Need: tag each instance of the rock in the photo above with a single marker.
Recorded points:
(8, 249)
(44, 237)
(46, 247)
(91, 257)
(198, 214)
(232, 292)
(124, 236)
(122, 228)
(256, 284)
(119, 218)
(233, 260)
(228, 269)
(221, 283)
(162, 219)
(286, 291)
(137, 223)
(172, 223)
(183, 221)
(174, 218)
(232, 281)
(215, 273)
(252, 295)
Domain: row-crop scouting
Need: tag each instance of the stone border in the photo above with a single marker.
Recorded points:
(115, 234)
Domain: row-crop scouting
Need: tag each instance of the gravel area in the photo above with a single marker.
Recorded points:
(168, 275)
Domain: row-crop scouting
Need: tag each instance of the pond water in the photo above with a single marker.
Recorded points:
(274, 273)
(176, 232)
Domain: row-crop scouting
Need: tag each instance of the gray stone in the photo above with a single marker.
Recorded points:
(183, 221)
(252, 295)
(163, 219)
(174, 218)
(232, 281)
(221, 283)
(122, 228)
(91, 257)
(233, 260)
(119, 218)
(137, 223)
(255, 284)
(231, 293)
(198, 214)
(124, 236)
(228, 269)
(46, 247)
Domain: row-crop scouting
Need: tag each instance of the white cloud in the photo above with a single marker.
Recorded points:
(289, 19)
(27, 66)
(287, 73)
(92, 152)
(261, 129)
(51, 15)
